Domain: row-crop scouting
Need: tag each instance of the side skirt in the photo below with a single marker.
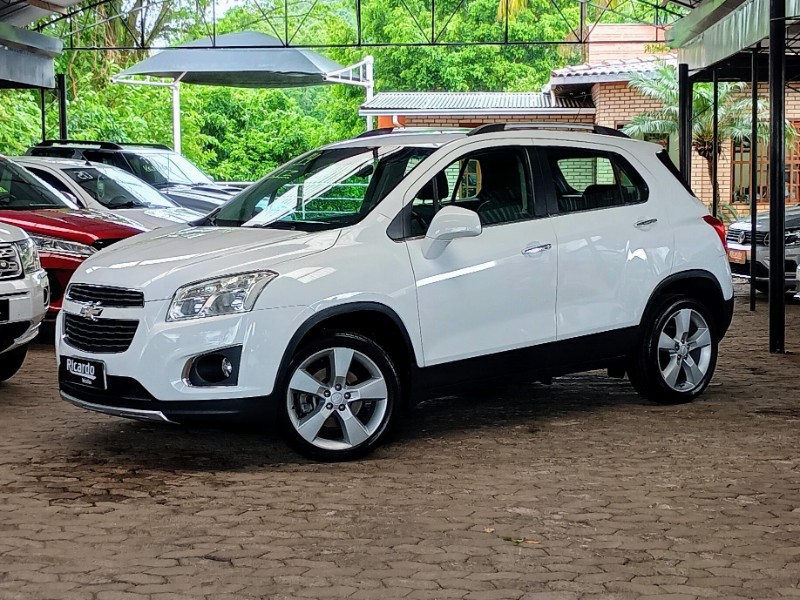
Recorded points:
(585, 353)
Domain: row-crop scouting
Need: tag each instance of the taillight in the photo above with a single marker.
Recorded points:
(719, 227)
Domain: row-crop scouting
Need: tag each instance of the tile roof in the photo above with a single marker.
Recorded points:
(473, 103)
(609, 70)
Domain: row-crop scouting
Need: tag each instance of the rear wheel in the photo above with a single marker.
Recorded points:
(339, 398)
(678, 352)
(11, 362)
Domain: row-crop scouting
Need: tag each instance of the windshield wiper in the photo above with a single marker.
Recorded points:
(128, 204)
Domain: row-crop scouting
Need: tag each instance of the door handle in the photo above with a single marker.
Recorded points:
(535, 248)
(645, 223)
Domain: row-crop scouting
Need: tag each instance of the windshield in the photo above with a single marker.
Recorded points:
(323, 189)
(114, 188)
(20, 190)
(164, 168)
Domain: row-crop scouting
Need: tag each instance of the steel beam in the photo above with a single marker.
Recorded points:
(715, 144)
(61, 89)
(685, 122)
(777, 175)
(753, 175)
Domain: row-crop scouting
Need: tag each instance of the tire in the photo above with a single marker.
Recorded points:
(762, 287)
(11, 362)
(322, 413)
(665, 368)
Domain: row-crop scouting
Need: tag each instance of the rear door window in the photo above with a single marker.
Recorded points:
(591, 179)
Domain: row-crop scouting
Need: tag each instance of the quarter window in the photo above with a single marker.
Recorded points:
(590, 180)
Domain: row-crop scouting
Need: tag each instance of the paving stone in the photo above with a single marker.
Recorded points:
(577, 490)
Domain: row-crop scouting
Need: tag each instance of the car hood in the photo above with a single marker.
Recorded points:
(154, 218)
(9, 233)
(84, 226)
(207, 191)
(161, 261)
(792, 220)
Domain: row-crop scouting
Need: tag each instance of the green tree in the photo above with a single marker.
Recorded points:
(734, 112)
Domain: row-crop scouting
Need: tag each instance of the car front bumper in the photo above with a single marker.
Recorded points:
(740, 252)
(27, 302)
(151, 379)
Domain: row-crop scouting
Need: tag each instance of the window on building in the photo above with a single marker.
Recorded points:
(661, 139)
(740, 172)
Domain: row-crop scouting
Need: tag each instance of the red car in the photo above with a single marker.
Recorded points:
(64, 235)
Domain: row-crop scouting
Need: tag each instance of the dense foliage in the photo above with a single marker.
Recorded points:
(239, 134)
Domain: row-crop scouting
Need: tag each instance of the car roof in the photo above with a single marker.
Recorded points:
(61, 163)
(441, 137)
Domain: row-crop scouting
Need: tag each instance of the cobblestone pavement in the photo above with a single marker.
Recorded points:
(576, 490)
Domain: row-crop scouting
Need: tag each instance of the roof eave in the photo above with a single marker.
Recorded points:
(401, 112)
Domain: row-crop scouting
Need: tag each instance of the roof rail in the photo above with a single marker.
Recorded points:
(158, 146)
(374, 132)
(413, 129)
(586, 127)
(101, 145)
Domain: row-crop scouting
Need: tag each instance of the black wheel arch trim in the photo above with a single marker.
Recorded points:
(336, 311)
(723, 321)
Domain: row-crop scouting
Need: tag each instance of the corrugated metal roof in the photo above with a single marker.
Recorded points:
(422, 103)
(609, 70)
(20, 13)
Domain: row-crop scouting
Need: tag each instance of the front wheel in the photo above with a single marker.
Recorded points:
(677, 354)
(11, 362)
(339, 398)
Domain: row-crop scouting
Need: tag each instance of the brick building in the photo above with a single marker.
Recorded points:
(594, 92)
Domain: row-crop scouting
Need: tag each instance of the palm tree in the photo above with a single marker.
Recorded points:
(734, 112)
(514, 8)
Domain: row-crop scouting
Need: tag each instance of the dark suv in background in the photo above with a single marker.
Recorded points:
(158, 165)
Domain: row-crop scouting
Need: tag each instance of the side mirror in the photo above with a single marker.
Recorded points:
(449, 223)
(74, 199)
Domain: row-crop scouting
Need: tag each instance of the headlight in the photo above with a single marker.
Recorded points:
(219, 296)
(29, 256)
(51, 244)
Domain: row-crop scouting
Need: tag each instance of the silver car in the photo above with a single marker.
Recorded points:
(738, 239)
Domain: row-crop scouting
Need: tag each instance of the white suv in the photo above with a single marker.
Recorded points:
(24, 297)
(393, 266)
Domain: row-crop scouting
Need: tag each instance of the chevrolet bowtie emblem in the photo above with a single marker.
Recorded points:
(91, 311)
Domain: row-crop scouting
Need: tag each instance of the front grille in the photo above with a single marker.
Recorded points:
(105, 296)
(100, 244)
(103, 336)
(762, 272)
(733, 236)
(10, 265)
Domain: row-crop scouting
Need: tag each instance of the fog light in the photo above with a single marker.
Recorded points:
(227, 367)
(220, 367)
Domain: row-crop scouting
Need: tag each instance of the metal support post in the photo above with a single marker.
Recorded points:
(43, 108)
(61, 88)
(176, 116)
(369, 66)
(685, 122)
(777, 175)
(715, 143)
(754, 184)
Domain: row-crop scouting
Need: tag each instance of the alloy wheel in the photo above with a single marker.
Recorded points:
(337, 398)
(684, 350)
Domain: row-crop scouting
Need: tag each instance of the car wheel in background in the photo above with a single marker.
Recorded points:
(11, 362)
